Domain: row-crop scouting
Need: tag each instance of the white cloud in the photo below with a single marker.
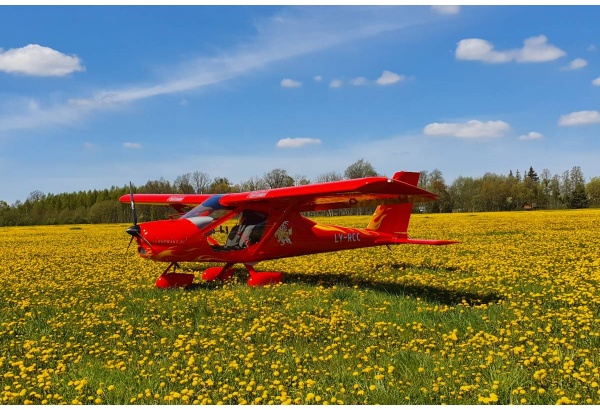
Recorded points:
(531, 136)
(26, 113)
(596, 81)
(592, 48)
(579, 118)
(36, 60)
(318, 78)
(291, 33)
(471, 129)
(289, 83)
(335, 83)
(480, 50)
(389, 78)
(576, 64)
(297, 142)
(132, 145)
(444, 9)
(534, 50)
(359, 81)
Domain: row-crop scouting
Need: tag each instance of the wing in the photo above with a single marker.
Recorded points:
(178, 201)
(351, 193)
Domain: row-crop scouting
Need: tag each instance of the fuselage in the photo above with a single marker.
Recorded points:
(280, 236)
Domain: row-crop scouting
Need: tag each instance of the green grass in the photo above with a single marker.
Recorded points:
(497, 321)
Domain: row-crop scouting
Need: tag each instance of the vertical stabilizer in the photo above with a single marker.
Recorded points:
(394, 219)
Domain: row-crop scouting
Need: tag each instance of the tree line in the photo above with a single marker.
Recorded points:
(491, 192)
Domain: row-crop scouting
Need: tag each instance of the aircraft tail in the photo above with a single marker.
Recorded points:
(394, 218)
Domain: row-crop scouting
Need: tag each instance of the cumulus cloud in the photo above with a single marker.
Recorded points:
(531, 136)
(297, 142)
(576, 64)
(389, 78)
(443, 9)
(335, 83)
(471, 129)
(596, 81)
(318, 78)
(36, 60)
(289, 83)
(132, 145)
(291, 33)
(359, 81)
(534, 50)
(579, 118)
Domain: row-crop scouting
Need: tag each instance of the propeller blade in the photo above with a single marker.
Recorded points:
(133, 212)
(131, 240)
(145, 240)
(134, 230)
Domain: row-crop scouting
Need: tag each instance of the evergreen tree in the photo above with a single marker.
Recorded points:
(533, 175)
(579, 197)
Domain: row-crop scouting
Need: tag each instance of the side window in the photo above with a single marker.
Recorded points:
(248, 231)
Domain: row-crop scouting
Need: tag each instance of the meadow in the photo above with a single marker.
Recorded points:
(510, 315)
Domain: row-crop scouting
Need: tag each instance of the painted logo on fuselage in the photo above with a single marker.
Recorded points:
(284, 234)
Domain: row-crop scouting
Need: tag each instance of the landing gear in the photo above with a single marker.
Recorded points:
(256, 278)
(262, 278)
(217, 272)
(172, 279)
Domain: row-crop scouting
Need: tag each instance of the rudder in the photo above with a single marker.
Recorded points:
(394, 219)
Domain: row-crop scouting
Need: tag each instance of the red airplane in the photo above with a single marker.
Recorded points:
(269, 225)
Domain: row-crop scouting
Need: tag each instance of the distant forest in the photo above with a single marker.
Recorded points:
(525, 190)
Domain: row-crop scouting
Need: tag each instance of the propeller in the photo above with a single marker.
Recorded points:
(134, 230)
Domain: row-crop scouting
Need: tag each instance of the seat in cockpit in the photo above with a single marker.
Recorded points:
(248, 231)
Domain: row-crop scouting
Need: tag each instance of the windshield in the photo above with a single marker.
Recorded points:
(211, 207)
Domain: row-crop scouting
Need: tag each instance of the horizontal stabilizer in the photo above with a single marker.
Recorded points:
(416, 241)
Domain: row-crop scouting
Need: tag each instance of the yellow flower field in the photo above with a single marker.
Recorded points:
(511, 314)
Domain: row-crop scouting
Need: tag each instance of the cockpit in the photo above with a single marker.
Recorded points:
(207, 212)
(249, 227)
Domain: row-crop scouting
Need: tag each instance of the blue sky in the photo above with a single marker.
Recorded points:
(96, 96)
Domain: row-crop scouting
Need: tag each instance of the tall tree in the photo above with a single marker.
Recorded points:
(220, 186)
(278, 178)
(183, 184)
(593, 190)
(200, 181)
(329, 177)
(300, 180)
(253, 184)
(463, 192)
(579, 197)
(360, 169)
(533, 175)
(158, 186)
(437, 185)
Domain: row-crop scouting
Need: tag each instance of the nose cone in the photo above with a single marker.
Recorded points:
(176, 231)
(134, 230)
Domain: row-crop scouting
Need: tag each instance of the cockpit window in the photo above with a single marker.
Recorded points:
(211, 207)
